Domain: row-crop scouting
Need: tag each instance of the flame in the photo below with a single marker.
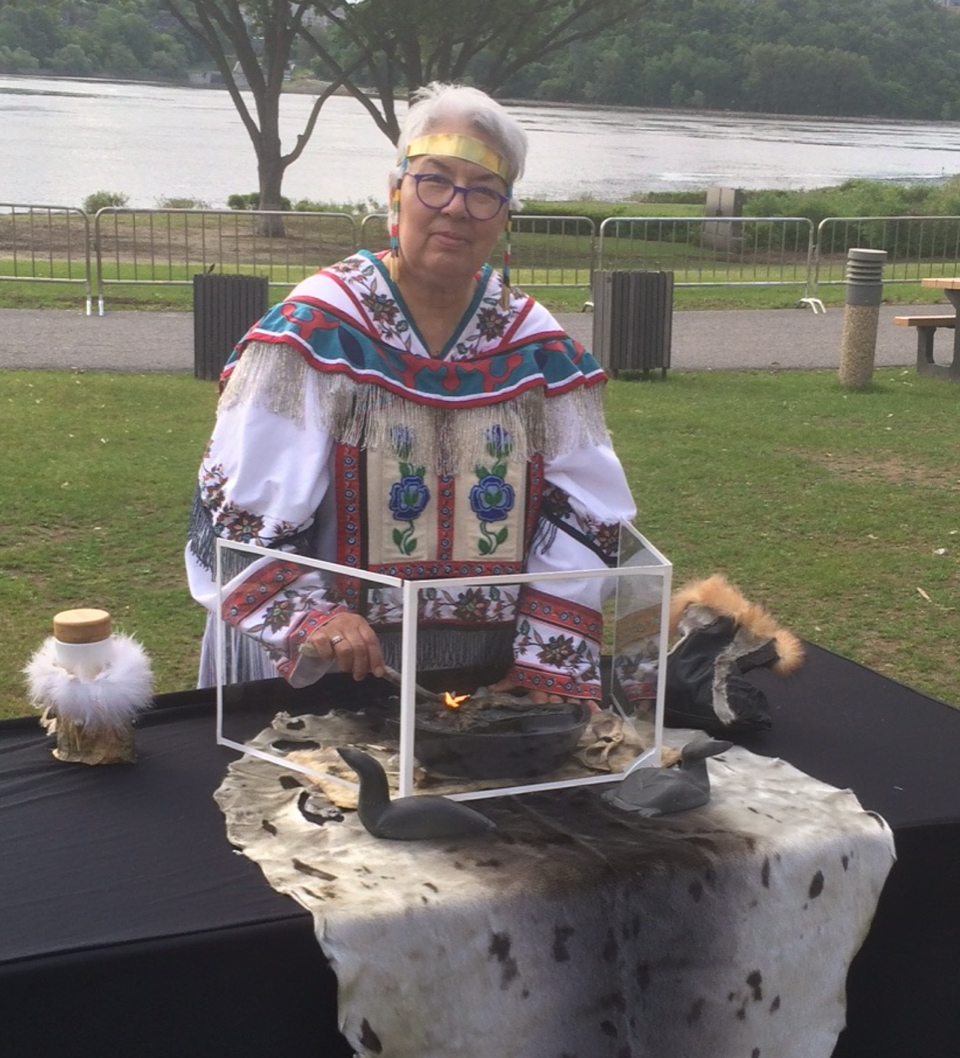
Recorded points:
(452, 701)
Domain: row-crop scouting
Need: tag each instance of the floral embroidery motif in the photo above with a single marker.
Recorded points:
(409, 496)
(374, 295)
(557, 651)
(556, 502)
(279, 614)
(213, 482)
(382, 308)
(569, 654)
(471, 605)
(489, 606)
(607, 539)
(492, 499)
(491, 323)
(234, 523)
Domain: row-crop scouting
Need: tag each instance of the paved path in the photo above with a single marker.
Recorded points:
(702, 341)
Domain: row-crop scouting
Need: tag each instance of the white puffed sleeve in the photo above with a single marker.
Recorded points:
(264, 479)
(559, 622)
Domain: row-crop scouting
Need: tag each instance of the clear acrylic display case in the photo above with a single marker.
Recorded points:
(473, 748)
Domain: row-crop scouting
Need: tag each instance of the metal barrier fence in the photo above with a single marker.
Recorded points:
(169, 247)
(45, 244)
(916, 247)
(548, 251)
(60, 244)
(711, 251)
(553, 251)
(375, 232)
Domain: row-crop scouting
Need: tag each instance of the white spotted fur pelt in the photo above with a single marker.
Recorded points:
(574, 929)
(110, 699)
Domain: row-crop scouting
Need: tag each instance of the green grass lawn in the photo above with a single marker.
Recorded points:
(837, 509)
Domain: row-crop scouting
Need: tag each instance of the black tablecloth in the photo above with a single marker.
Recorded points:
(129, 927)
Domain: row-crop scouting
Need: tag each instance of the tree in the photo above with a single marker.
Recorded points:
(71, 60)
(386, 44)
(406, 45)
(30, 28)
(251, 42)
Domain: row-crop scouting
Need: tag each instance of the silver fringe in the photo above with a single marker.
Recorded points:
(453, 648)
(453, 439)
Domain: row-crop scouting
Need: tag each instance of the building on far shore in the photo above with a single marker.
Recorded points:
(206, 78)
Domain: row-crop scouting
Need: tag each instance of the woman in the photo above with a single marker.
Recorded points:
(408, 413)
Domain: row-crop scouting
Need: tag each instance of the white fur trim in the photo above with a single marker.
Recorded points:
(110, 699)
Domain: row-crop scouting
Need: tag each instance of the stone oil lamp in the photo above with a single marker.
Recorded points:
(90, 685)
(489, 735)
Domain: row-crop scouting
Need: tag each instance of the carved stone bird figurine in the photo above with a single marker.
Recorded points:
(659, 791)
(417, 818)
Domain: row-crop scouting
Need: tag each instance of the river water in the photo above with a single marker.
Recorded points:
(64, 139)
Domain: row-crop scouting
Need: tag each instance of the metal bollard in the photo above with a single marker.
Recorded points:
(864, 292)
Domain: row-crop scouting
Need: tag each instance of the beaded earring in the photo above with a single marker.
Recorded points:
(505, 288)
(393, 260)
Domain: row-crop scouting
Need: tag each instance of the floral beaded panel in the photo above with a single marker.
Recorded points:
(414, 522)
(416, 515)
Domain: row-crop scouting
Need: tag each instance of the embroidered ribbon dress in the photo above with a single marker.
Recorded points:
(339, 437)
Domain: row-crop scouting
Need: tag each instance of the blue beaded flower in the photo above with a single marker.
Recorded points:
(492, 499)
(408, 497)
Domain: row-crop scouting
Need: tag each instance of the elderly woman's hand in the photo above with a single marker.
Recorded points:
(541, 697)
(348, 639)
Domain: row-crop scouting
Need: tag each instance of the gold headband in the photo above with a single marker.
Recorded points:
(449, 145)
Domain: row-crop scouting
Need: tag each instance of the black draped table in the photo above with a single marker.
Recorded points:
(129, 927)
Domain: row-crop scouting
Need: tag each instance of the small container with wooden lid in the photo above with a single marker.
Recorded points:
(90, 685)
(83, 640)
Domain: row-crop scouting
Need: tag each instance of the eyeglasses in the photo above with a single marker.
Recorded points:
(437, 192)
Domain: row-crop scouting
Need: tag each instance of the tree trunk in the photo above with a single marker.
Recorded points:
(270, 169)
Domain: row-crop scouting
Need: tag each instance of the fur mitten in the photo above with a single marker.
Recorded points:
(722, 636)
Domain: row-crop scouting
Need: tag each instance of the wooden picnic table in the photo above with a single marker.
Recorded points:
(927, 328)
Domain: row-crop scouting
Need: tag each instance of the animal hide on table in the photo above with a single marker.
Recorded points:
(575, 930)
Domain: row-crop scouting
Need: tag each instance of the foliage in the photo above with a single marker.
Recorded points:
(91, 38)
(104, 200)
(354, 209)
(182, 203)
(598, 212)
(854, 198)
(829, 506)
(17, 60)
(382, 50)
(686, 198)
(896, 58)
(251, 200)
(875, 198)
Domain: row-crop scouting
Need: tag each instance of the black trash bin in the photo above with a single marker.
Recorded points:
(632, 321)
(224, 308)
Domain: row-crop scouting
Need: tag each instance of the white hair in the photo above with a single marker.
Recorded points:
(436, 103)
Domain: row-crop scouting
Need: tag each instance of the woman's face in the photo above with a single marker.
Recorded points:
(445, 247)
